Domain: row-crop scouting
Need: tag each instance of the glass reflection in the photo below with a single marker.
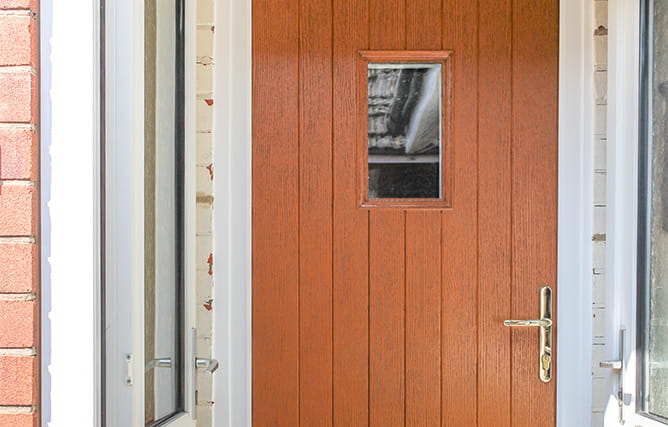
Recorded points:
(404, 130)
(163, 385)
(654, 326)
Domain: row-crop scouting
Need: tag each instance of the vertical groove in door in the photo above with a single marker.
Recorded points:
(315, 217)
(368, 344)
(494, 210)
(275, 306)
(298, 231)
(350, 224)
(332, 205)
(405, 307)
(534, 185)
(459, 234)
(512, 197)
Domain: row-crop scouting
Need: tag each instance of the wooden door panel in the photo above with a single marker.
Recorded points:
(275, 260)
(393, 316)
(423, 318)
(423, 262)
(460, 227)
(534, 188)
(351, 226)
(315, 212)
(387, 317)
(494, 213)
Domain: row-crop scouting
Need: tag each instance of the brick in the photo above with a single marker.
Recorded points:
(18, 40)
(18, 380)
(19, 420)
(17, 323)
(18, 154)
(18, 97)
(18, 210)
(19, 268)
(19, 4)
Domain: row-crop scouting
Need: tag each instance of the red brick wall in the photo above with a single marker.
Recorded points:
(19, 209)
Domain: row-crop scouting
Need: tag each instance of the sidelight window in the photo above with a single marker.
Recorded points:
(653, 217)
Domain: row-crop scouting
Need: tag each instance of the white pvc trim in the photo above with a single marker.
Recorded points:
(69, 187)
(232, 213)
(574, 296)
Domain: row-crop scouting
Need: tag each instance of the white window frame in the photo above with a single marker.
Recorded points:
(71, 221)
(622, 221)
(124, 230)
(232, 216)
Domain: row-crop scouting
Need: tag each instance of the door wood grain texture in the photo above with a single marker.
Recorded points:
(394, 316)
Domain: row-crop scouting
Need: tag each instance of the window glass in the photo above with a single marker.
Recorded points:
(654, 215)
(404, 131)
(163, 210)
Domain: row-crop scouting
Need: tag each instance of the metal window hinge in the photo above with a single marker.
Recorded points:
(623, 399)
(128, 369)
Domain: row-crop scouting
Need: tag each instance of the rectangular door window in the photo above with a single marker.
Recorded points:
(405, 96)
(163, 209)
(653, 235)
(404, 111)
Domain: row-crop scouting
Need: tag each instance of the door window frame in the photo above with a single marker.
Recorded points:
(627, 66)
(123, 195)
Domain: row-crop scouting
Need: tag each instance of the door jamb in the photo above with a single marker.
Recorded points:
(232, 216)
(232, 212)
(574, 292)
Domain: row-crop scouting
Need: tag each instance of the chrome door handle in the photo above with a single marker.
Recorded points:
(545, 325)
(618, 366)
(615, 365)
(209, 365)
(159, 363)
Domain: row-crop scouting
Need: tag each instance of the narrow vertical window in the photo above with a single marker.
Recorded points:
(163, 211)
(653, 217)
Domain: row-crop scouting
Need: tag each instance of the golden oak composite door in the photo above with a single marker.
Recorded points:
(404, 206)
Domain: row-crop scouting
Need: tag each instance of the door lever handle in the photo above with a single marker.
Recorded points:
(545, 325)
(158, 363)
(209, 365)
(541, 323)
(615, 365)
(618, 367)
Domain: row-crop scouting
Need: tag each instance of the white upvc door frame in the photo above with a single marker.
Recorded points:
(232, 216)
(622, 219)
(124, 216)
(232, 212)
(574, 294)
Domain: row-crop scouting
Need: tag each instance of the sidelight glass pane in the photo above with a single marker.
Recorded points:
(405, 131)
(163, 195)
(653, 286)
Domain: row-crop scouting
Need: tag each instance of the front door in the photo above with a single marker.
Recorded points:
(404, 206)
